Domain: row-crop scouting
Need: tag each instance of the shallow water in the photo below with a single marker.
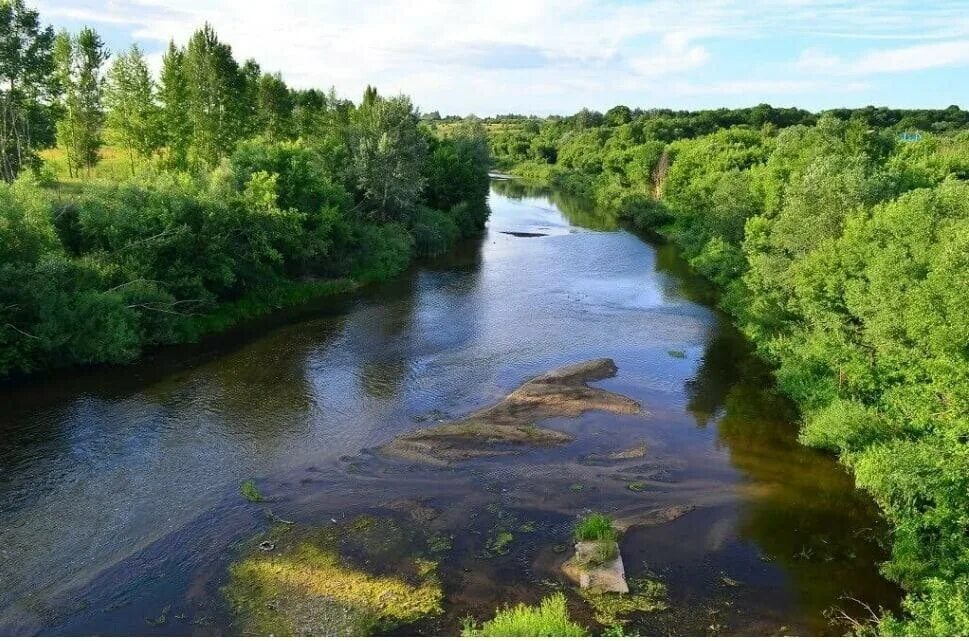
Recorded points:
(119, 486)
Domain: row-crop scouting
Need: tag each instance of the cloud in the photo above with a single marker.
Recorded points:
(899, 60)
(916, 58)
(548, 55)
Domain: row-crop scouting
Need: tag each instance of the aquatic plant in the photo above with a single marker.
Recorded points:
(595, 527)
(308, 585)
(250, 492)
(548, 619)
(499, 543)
(612, 609)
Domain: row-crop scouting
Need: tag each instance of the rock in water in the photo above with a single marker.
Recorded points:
(591, 572)
(498, 429)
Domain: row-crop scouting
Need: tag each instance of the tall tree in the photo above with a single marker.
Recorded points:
(68, 122)
(173, 95)
(79, 69)
(133, 116)
(274, 107)
(216, 91)
(388, 154)
(26, 84)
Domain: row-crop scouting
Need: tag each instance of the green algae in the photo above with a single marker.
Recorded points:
(250, 492)
(368, 576)
(613, 610)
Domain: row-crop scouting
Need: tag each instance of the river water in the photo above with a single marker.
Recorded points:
(119, 487)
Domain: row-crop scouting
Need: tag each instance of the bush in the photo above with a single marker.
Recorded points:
(643, 212)
(843, 426)
(434, 232)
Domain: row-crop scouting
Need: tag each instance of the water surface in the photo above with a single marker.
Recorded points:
(119, 486)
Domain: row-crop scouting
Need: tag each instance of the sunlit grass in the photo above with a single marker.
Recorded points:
(305, 588)
(548, 619)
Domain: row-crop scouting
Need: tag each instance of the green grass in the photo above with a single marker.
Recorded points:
(548, 619)
(595, 527)
(114, 164)
(250, 492)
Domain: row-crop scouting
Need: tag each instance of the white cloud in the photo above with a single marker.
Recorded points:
(538, 55)
(915, 58)
(899, 60)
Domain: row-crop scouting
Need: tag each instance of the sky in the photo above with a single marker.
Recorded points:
(557, 56)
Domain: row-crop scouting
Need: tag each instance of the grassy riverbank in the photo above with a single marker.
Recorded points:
(842, 249)
(95, 271)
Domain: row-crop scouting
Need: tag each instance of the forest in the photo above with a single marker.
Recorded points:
(840, 244)
(138, 211)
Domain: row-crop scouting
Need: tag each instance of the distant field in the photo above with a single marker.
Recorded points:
(114, 165)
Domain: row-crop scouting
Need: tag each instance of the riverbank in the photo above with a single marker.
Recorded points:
(709, 479)
(831, 276)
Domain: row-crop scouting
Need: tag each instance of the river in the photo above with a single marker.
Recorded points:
(119, 487)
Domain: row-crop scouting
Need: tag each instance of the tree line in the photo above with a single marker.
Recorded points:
(240, 194)
(842, 249)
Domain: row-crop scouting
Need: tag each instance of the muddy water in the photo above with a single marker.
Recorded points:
(119, 503)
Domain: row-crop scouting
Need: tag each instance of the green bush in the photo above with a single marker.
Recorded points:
(434, 232)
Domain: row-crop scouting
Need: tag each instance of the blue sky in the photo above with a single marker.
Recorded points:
(556, 56)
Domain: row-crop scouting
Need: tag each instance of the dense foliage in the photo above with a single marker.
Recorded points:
(842, 248)
(236, 196)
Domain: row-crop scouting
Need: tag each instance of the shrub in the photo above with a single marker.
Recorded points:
(434, 232)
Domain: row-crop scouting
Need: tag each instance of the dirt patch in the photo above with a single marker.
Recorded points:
(501, 428)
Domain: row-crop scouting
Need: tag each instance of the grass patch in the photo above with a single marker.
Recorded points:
(548, 619)
(595, 527)
(369, 576)
(250, 492)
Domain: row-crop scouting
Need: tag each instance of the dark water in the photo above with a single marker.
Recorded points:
(119, 503)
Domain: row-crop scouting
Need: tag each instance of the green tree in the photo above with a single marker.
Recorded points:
(388, 152)
(27, 84)
(133, 116)
(216, 92)
(79, 130)
(274, 107)
(173, 95)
